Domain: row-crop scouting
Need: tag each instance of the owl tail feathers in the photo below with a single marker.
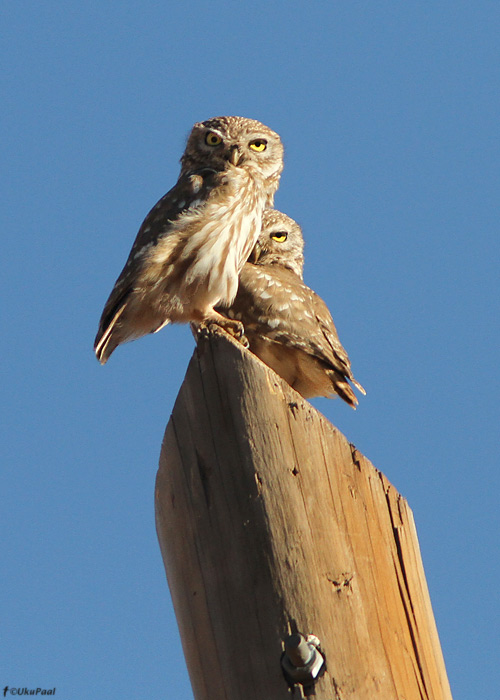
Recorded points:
(345, 392)
(358, 386)
(105, 341)
(342, 388)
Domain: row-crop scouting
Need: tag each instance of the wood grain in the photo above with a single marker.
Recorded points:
(270, 522)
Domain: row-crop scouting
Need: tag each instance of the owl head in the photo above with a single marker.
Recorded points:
(280, 243)
(246, 143)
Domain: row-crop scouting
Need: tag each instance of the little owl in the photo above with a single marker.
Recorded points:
(287, 325)
(193, 243)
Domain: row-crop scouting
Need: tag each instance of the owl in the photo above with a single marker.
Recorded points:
(288, 326)
(193, 243)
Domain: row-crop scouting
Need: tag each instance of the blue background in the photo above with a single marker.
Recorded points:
(389, 114)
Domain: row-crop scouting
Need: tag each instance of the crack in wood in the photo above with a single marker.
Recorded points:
(354, 455)
(406, 597)
(204, 470)
(341, 581)
(258, 481)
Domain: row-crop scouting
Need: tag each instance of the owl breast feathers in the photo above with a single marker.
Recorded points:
(193, 243)
(287, 325)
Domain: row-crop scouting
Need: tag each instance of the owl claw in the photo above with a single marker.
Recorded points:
(234, 328)
(244, 341)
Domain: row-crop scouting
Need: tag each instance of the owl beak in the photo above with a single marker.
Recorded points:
(255, 254)
(235, 155)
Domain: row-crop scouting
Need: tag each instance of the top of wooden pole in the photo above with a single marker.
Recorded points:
(271, 523)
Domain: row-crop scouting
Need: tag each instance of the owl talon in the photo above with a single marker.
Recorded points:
(234, 328)
(199, 330)
(244, 341)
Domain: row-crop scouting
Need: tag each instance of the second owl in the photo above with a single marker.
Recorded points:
(288, 326)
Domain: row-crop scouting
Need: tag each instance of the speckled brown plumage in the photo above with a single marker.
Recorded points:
(193, 243)
(288, 326)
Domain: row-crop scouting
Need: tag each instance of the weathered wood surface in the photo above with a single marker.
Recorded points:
(270, 522)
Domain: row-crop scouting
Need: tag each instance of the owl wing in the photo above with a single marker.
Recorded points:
(329, 332)
(274, 300)
(310, 328)
(191, 190)
(273, 303)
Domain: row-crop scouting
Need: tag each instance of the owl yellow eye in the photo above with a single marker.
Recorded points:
(212, 139)
(279, 236)
(258, 145)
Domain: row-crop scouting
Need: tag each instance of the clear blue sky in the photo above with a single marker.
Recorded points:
(389, 114)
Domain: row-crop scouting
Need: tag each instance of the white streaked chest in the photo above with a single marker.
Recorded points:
(210, 242)
(225, 236)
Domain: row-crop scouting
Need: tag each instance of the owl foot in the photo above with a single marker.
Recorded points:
(234, 328)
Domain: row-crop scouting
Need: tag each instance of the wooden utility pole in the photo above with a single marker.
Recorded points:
(271, 523)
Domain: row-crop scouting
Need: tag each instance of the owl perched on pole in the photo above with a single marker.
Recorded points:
(193, 243)
(288, 326)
